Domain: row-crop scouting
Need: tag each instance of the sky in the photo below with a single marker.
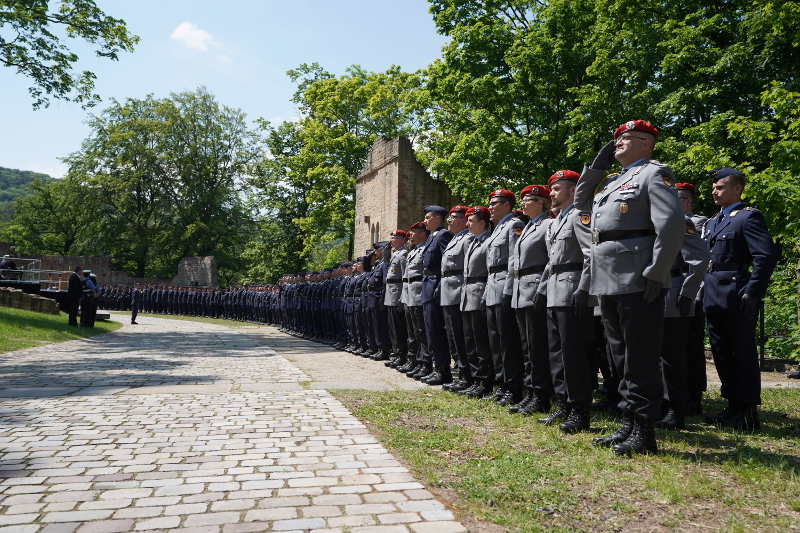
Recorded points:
(239, 50)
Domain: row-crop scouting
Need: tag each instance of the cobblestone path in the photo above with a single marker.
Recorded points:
(183, 426)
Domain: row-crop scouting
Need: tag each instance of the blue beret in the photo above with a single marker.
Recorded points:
(722, 172)
(439, 210)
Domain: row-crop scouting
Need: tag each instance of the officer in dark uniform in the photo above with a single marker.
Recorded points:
(743, 257)
(436, 340)
(393, 299)
(74, 294)
(136, 301)
(376, 287)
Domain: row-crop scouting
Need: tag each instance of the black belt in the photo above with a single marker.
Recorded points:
(415, 279)
(567, 267)
(530, 270)
(476, 279)
(449, 273)
(724, 268)
(620, 234)
(498, 268)
(398, 280)
(431, 274)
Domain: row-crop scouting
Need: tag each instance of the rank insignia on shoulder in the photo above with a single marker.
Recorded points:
(667, 181)
(585, 219)
(517, 231)
(734, 213)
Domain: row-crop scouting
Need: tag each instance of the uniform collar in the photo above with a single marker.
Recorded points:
(636, 163)
(511, 214)
(564, 212)
(727, 210)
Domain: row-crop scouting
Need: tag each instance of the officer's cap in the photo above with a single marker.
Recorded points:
(399, 233)
(380, 244)
(418, 225)
(502, 193)
(478, 210)
(636, 125)
(459, 209)
(564, 175)
(436, 209)
(723, 172)
(535, 190)
(686, 187)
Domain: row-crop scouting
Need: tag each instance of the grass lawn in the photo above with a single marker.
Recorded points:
(25, 329)
(219, 321)
(498, 469)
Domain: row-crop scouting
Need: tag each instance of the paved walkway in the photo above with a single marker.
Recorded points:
(177, 425)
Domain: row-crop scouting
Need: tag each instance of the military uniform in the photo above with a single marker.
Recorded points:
(412, 281)
(450, 299)
(394, 304)
(435, 337)
(473, 314)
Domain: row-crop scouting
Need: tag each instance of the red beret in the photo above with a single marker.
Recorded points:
(686, 187)
(502, 192)
(535, 190)
(418, 225)
(636, 125)
(568, 175)
(478, 209)
(399, 233)
(459, 209)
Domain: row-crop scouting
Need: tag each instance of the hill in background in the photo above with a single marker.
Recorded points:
(15, 184)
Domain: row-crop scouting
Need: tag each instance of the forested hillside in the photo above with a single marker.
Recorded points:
(15, 184)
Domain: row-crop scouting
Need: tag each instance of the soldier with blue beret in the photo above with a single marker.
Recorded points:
(743, 257)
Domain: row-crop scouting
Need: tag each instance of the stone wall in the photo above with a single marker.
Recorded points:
(197, 272)
(391, 191)
(20, 300)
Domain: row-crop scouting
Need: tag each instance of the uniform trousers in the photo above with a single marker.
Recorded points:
(697, 353)
(72, 310)
(674, 362)
(733, 344)
(634, 329)
(397, 329)
(532, 326)
(568, 335)
(418, 328)
(134, 312)
(435, 337)
(476, 344)
(504, 343)
(380, 328)
(411, 338)
(453, 326)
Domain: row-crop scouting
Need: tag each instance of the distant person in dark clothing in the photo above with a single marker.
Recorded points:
(74, 293)
(136, 301)
(89, 300)
(7, 268)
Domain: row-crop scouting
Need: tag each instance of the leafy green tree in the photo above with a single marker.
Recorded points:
(30, 42)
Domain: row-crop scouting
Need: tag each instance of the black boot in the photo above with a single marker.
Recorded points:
(560, 413)
(509, 398)
(641, 440)
(622, 433)
(671, 420)
(482, 390)
(744, 419)
(577, 421)
(517, 407)
(536, 405)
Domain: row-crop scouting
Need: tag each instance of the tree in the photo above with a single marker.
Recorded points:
(31, 44)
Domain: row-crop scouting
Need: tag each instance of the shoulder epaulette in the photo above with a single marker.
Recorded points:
(656, 162)
(753, 209)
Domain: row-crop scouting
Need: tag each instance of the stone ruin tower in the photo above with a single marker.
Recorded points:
(391, 191)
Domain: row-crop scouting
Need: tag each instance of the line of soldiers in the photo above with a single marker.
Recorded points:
(608, 272)
(254, 303)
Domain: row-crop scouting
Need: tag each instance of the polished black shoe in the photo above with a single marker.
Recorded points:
(499, 392)
(517, 407)
(536, 405)
(641, 440)
(437, 378)
(381, 356)
(456, 383)
(462, 385)
(413, 370)
(742, 420)
(561, 412)
(409, 366)
(391, 363)
(469, 390)
(622, 433)
(671, 420)
(509, 398)
(480, 392)
(423, 372)
(577, 421)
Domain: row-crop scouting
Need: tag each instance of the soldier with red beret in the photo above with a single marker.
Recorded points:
(503, 333)
(412, 292)
(393, 300)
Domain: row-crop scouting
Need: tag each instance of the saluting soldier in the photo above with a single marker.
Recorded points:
(637, 230)
(503, 334)
(473, 307)
(435, 338)
(530, 257)
(565, 285)
(743, 257)
(393, 299)
(450, 294)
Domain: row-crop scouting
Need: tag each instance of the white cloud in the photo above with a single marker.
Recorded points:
(194, 37)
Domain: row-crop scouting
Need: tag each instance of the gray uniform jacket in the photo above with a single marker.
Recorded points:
(498, 253)
(453, 269)
(412, 278)
(567, 268)
(475, 273)
(529, 258)
(687, 271)
(394, 278)
(640, 202)
(699, 222)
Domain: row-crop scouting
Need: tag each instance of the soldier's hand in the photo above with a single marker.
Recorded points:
(685, 305)
(539, 301)
(749, 303)
(579, 299)
(651, 290)
(605, 156)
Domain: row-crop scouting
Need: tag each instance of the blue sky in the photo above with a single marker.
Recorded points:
(240, 50)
